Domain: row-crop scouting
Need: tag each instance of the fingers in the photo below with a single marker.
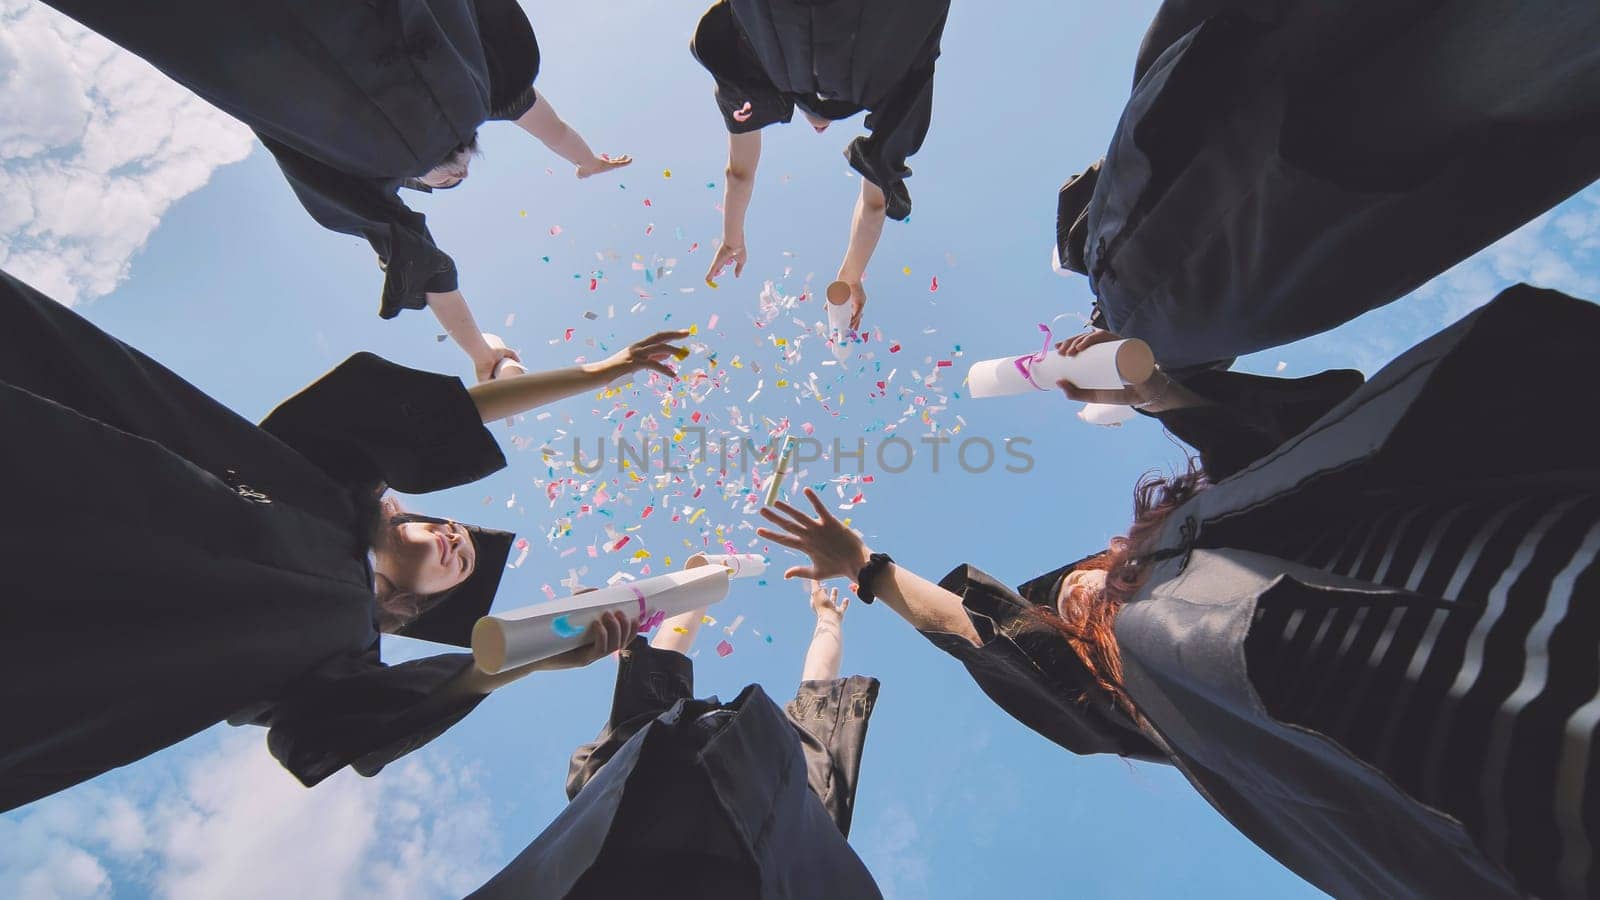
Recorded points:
(662, 337)
(801, 520)
(793, 543)
(844, 604)
(822, 511)
(1084, 395)
(797, 525)
(617, 162)
(800, 572)
(663, 368)
(833, 596)
(738, 264)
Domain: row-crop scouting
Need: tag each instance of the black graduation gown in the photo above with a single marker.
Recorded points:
(351, 98)
(834, 59)
(1283, 167)
(175, 565)
(681, 797)
(1414, 434)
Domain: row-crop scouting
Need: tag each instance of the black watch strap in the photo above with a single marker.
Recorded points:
(869, 573)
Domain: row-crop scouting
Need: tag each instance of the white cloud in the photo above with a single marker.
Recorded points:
(237, 825)
(894, 852)
(95, 146)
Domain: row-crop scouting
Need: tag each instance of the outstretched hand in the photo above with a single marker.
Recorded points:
(603, 163)
(727, 254)
(835, 550)
(825, 602)
(648, 353)
(858, 296)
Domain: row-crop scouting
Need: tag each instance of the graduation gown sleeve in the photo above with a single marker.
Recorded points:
(370, 208)
(746, 97)
(370, 422)
(1249, 416)
(1032, 676)
(898, 127)
(356, 711)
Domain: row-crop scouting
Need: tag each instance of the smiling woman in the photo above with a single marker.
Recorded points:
(187, 566)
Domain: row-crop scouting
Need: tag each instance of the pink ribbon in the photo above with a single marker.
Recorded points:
(1025, 364)
(647, 621)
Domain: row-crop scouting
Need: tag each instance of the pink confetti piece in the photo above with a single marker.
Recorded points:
(743, 113)
(694, 246)
(933, 288)
(647, 202)
(555, 230)
(594, 284)
(569, 334)
(712, 322)
(724, 648)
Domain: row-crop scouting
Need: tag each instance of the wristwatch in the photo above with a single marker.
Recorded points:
(869, 573)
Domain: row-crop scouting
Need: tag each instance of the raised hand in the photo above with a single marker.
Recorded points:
(825, 602)
(727, 254)
(835, 550)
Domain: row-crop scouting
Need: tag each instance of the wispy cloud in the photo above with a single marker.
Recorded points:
(95, 146)
(236, 825)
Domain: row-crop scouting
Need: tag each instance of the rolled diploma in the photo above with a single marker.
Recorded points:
(840, 312)
(784, 456)
(739, 565)
(1108, 366)
(511, 639)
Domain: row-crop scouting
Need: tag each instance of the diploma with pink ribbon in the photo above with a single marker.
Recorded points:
(510, 639)
(1109, 366)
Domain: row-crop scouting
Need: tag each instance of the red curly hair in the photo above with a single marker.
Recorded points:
(1086, 616)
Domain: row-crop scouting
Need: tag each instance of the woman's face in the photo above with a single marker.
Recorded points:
(1082, 584)
(425, 558)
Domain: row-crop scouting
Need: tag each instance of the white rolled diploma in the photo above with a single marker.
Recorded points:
(511, 639)
(1109, 366)
(840, 311)
(739, 565)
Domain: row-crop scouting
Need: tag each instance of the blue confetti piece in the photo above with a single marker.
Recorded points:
(767, 638)
(564, 628)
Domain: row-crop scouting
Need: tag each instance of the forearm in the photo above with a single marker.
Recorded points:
(923, 603)
(866, 227)
(451, 309)
(744, 157)
(542, 121)
(510, 396)
(735, 204)
(678, 632)
(826, 650)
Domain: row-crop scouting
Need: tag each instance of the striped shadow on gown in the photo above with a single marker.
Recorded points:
(1479, 695)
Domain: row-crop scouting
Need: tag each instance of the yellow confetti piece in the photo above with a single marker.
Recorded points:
(783, 382)
(641, 554)
(679, 629)
(697, 514)
(523, 213)
(666, 560)
(681, 353)
(906, 270)
(781, 342)
(707, 620)
(666, 173)
(694, 329)
(711, 284)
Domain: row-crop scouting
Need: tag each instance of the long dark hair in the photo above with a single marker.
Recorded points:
(1087, 616)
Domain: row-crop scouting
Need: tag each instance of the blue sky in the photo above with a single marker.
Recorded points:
(239, 291)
